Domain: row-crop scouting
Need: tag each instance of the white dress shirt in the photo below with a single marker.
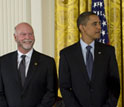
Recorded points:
(84, 50)
(27, 59)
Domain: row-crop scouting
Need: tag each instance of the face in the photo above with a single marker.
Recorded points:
(24, 36)
(92, 29)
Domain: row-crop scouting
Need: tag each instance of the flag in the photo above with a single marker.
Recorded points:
(98, 8)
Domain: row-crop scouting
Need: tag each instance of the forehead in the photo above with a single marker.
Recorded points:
(94, 18)
(24, 28)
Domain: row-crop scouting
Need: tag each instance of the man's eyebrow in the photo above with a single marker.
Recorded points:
(96, 22)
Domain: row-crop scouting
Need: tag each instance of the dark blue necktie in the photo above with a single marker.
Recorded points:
(22, 69)
(89, 61)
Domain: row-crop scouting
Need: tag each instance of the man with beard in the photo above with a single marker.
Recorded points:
(27, 77)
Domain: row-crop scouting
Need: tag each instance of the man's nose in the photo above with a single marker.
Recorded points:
(27, 35)
(99, 26)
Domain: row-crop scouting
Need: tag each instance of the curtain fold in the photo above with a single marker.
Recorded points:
(113, 15)
(122, 31)
(66, 32)
(66, 13)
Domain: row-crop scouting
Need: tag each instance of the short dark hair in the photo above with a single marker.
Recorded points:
(83, 18)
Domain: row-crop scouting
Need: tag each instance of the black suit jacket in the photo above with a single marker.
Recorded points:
(77, 90)
(40, 89)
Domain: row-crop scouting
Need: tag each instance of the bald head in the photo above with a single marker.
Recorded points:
(24, 36)
(23, 25)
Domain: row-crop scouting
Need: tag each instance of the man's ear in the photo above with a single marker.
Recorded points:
(14, 36)
(81, 27)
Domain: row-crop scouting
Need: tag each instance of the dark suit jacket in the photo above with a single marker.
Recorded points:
(77, 90)
(40, 89)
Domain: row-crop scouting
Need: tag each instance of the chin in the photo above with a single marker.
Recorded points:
(98, 37)
(27, 47)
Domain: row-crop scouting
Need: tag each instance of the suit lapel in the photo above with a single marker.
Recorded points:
(97, 59)
(80, 62)
(14, 70)
(32, 68)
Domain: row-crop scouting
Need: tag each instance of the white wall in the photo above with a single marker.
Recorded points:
(48, 26)
(39, 13)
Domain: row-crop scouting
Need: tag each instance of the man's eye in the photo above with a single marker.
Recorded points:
(23, 34)
(94, 24)
(30, 34)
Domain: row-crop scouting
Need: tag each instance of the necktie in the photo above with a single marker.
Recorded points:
(89, 61)
(22, 69)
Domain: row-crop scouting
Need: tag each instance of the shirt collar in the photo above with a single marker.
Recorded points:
(29, 54)
(84, 45)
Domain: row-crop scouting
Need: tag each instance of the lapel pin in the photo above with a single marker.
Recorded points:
(99, 52)
(35, 63)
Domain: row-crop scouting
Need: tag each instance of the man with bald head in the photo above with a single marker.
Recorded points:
(27, 77)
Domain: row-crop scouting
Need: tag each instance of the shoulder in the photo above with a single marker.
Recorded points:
(70, 49)
(42, 57)
(105, 47)
(9, 55)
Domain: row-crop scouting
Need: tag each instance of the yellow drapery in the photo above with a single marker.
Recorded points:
(66, 32)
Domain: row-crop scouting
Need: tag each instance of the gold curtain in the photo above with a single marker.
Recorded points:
(122, 33)
(66, 32)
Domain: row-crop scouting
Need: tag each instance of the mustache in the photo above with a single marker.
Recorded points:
(27, 40)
